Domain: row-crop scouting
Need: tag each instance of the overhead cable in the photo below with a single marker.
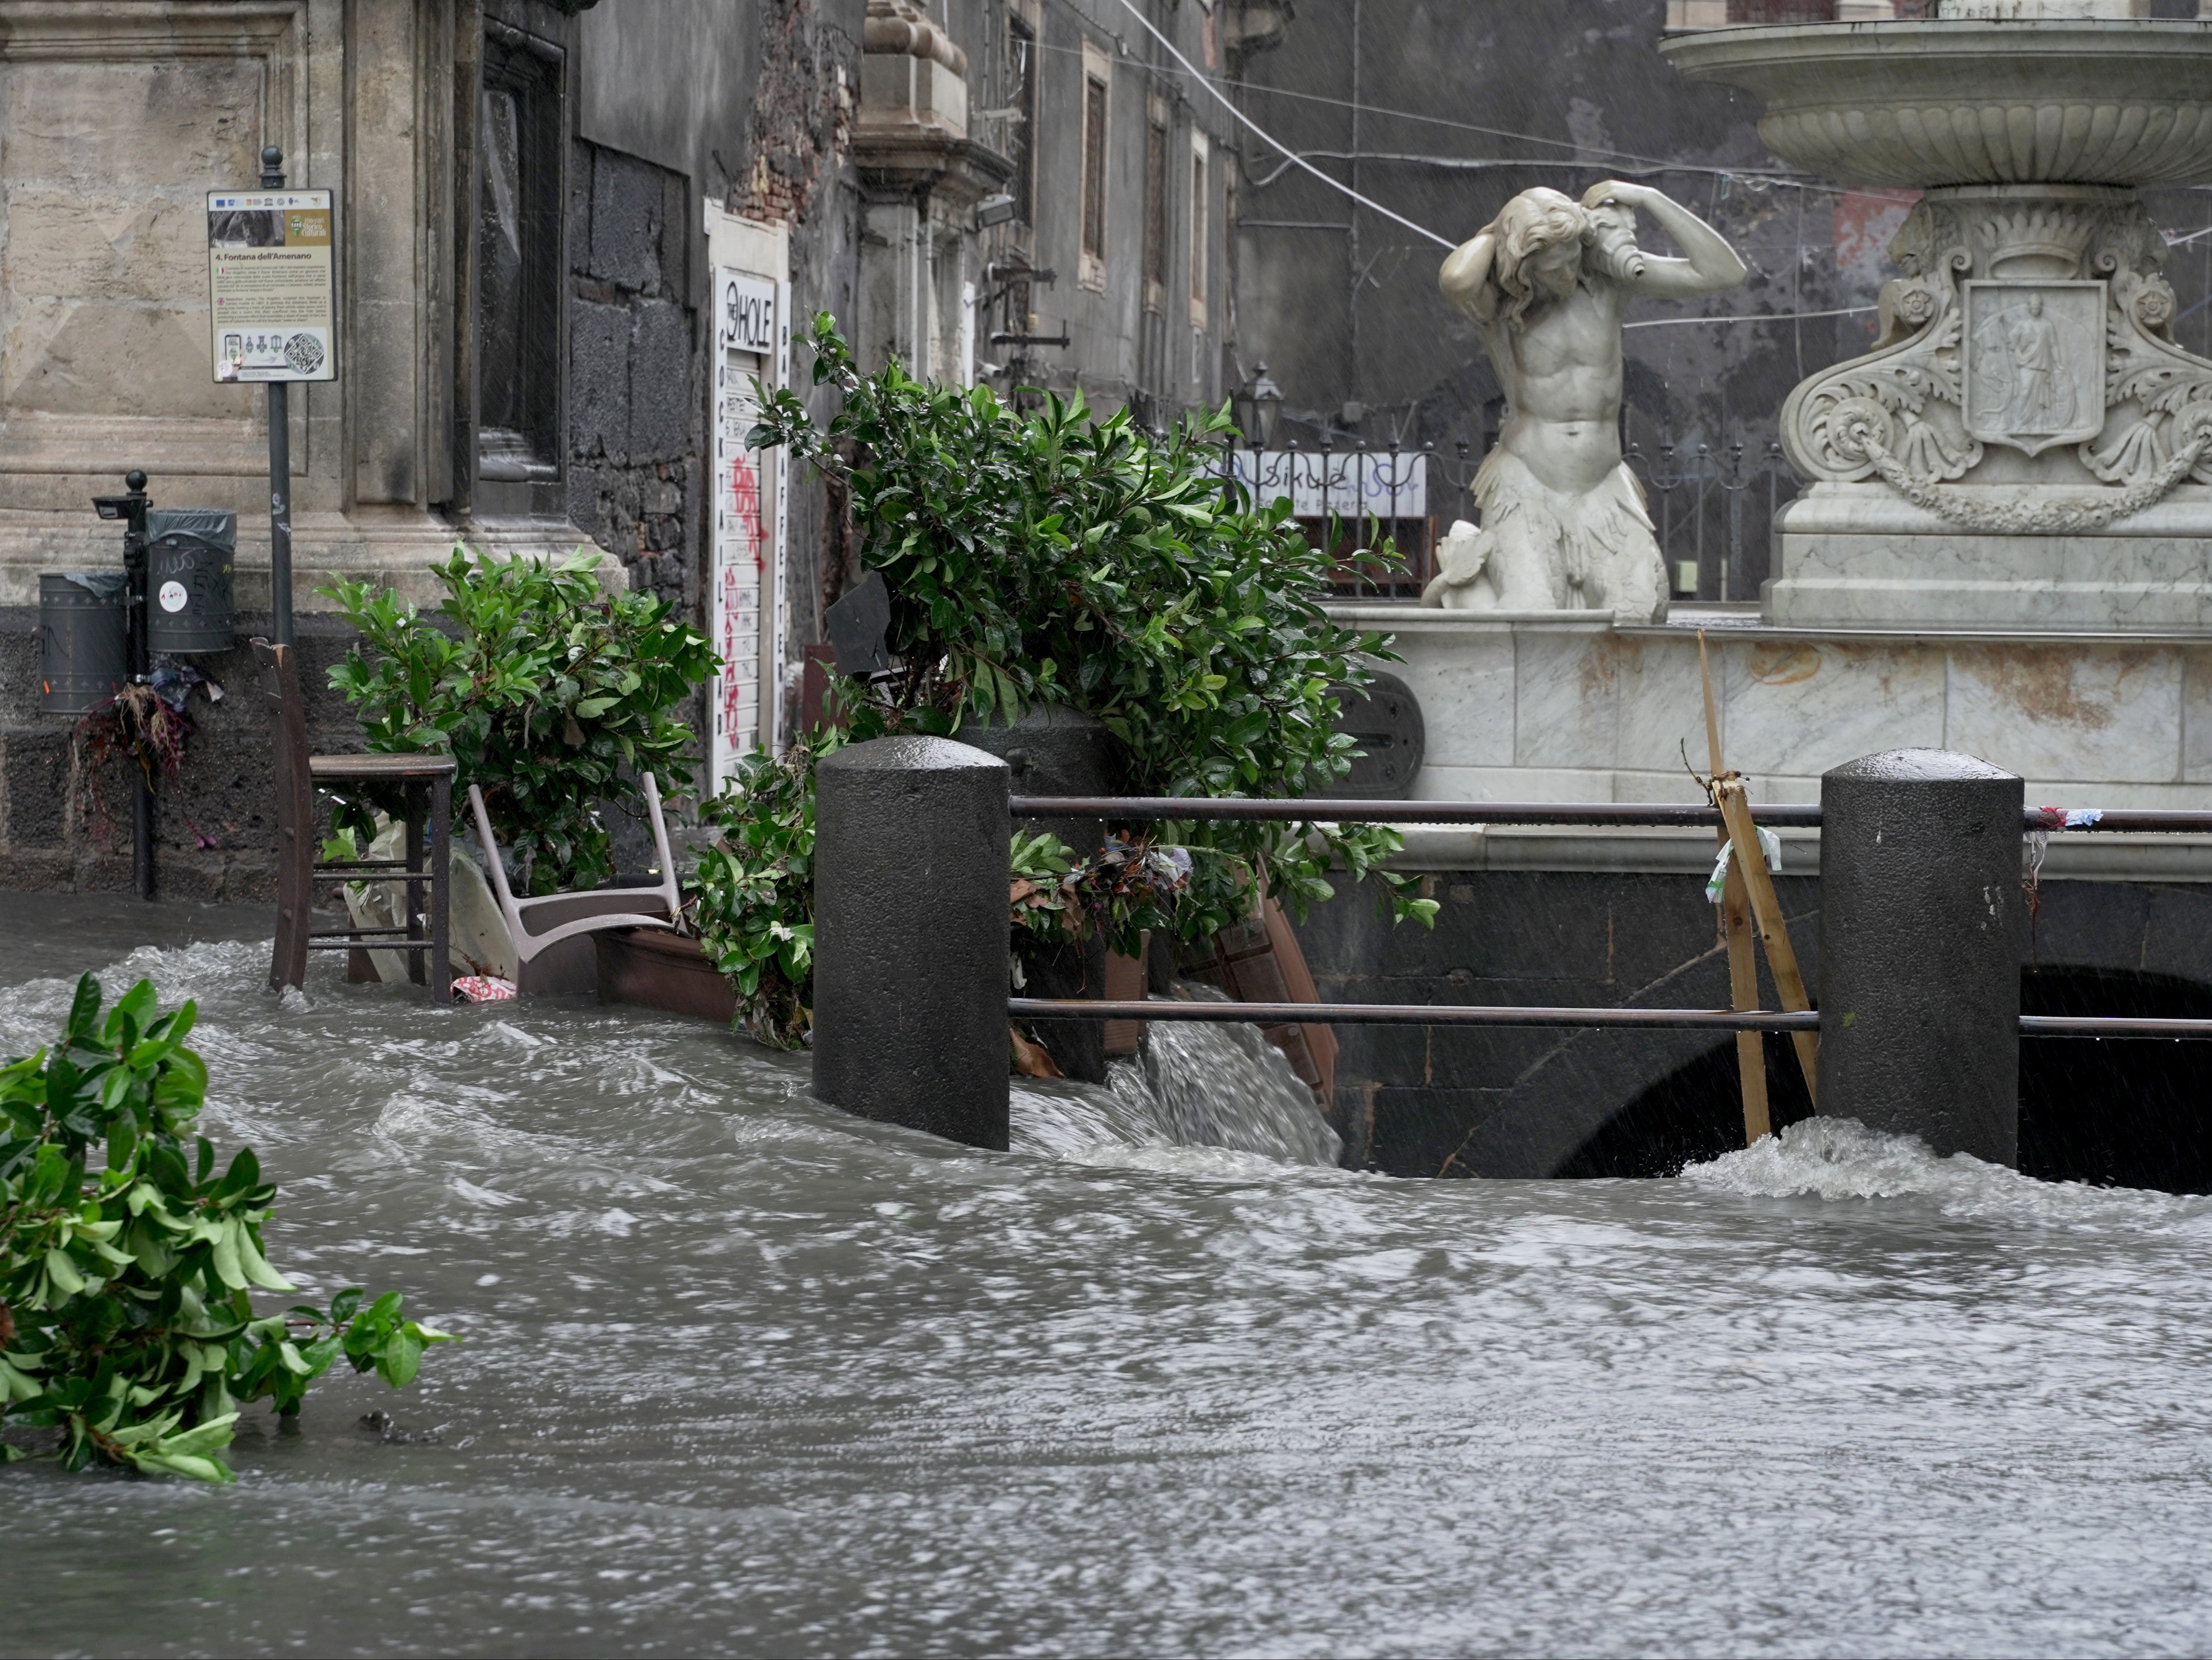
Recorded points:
(1265, 136)
(1749, 317)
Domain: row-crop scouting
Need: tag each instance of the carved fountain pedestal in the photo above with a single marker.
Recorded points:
(2026, 447)
(2005, 544)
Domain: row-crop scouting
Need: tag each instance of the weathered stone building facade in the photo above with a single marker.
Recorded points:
(1023, 192)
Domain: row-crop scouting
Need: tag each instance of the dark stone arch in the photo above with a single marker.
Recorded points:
(1587, 1079)
(2127, 1113)
(1692, 1114)
(2114, 1112)
(1521, 1102)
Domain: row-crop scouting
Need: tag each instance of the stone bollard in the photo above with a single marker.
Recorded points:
(1921, 934)
(910, 936)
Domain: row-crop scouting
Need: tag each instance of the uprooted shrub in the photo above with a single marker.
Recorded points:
(128, 1259)
(1050, 558)
(550, 693)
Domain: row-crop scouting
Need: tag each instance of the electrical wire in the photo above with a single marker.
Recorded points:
(1749, 317)
(1582, 155)
(1262, 134)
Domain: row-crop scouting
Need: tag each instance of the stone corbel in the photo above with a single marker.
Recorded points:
(911, 138)
(901, 26)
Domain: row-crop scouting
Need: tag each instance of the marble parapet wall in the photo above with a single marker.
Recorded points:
(1563, 706)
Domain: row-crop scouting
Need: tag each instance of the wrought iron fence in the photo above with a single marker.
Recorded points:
(1713, 549)
(1713, 511)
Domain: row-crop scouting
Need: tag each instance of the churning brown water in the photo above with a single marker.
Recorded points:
(743, 1375)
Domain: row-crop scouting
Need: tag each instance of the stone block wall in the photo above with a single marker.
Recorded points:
(636, 397)
(65, 820)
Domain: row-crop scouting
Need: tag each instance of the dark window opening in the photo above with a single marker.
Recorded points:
(1021, 126)
(1094, 168)
(517, 298)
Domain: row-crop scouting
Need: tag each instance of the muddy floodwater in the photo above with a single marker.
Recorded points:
(742, 1375)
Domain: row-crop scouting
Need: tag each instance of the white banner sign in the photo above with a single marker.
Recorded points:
(1347, 483)
(745, 312)
(746, 604)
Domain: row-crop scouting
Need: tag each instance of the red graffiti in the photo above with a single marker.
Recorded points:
(745, 502)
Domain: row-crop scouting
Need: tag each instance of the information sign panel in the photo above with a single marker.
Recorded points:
(271, 311)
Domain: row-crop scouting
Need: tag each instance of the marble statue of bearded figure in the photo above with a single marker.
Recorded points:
(1564, 524)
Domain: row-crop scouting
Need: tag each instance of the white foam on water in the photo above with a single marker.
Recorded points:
(1840, 1158)
(1220, 1088)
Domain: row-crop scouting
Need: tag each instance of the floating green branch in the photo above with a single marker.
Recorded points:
(126, 1261)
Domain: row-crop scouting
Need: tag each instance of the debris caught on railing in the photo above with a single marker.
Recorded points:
(1768, 843)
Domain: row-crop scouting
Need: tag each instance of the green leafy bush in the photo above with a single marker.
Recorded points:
(125, 1259)
(752, 896)
(549, 694)
(1048, 557)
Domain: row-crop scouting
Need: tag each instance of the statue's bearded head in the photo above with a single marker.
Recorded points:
(1539, 232)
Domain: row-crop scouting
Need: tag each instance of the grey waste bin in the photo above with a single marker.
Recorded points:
(81, 645)
(189, 554)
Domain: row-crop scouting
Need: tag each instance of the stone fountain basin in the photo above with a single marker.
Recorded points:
(1962, 102)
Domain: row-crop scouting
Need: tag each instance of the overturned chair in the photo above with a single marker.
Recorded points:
(552, 931)
(427, 783)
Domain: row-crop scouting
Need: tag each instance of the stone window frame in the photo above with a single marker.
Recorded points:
(1159, 196)
(535, 497)
(1094, 200)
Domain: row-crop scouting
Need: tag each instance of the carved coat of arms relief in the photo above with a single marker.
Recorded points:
(2036, 326)
(2035, 362)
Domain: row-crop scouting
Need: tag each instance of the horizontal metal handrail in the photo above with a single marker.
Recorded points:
(2110, 1026)
(1315, 809)
(1775, 815)
(1407, 1014)
(1454, 1014)
(2120, 819)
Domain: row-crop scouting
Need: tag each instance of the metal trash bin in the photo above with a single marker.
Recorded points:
(189, 555)
(82, 660)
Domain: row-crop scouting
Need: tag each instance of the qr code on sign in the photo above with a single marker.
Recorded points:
(304, 353)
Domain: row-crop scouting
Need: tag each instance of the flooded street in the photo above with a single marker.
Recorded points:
(743, 1375)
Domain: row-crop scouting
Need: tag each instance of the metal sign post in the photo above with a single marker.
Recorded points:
(137, 661)
(273, 320)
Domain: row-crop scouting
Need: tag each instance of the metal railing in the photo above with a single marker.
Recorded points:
(2039, 821)
(1628, 814)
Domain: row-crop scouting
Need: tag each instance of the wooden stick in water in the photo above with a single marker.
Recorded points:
(1735, 928)
(1743, 992)
(1766, 912)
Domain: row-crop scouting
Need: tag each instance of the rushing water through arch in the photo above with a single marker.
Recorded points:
(743, 1375)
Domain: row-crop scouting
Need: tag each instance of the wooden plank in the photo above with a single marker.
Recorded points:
(1743, 992)
(1773, 932)
(1736, 929)
(1124, 983)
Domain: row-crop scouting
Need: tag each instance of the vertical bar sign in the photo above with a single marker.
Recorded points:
(745, 510)
(270, 307)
